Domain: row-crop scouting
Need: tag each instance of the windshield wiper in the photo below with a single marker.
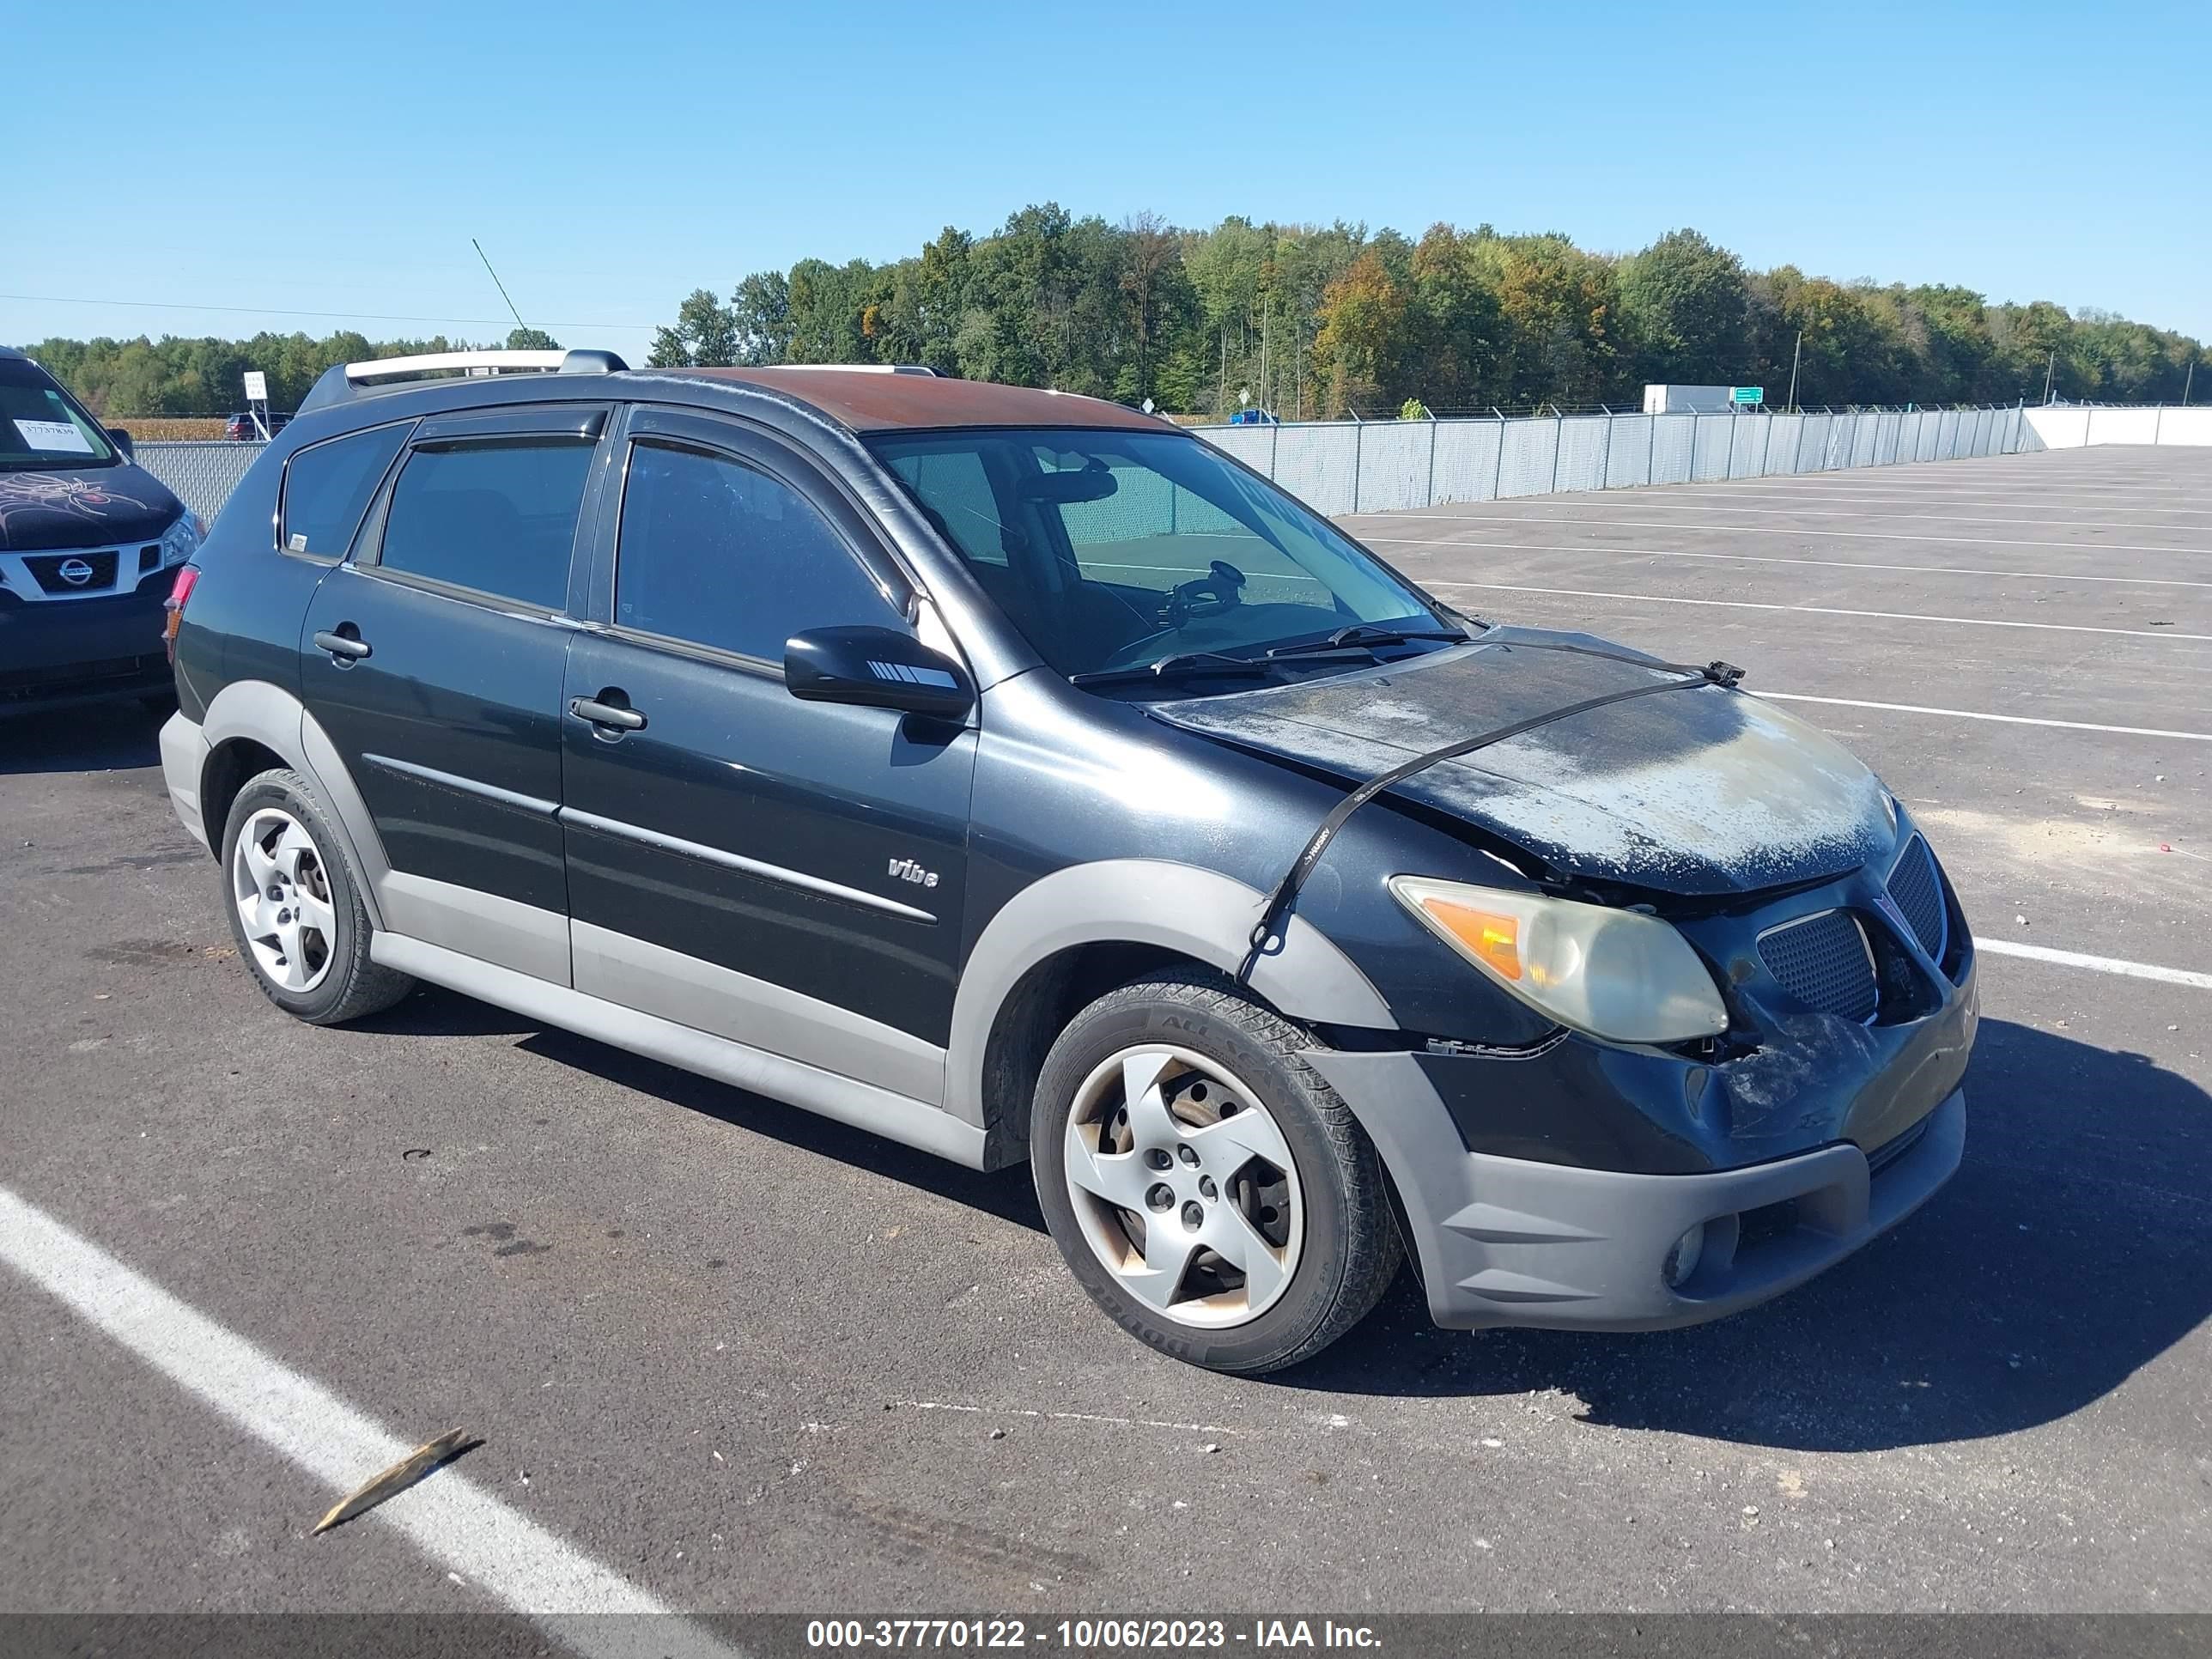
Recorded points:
(1365, 633)
(1180, 664)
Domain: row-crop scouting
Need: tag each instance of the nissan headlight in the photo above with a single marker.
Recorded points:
(1618, 975)
(182, 539)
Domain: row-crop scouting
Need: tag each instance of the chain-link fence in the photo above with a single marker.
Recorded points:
(203, 475)
(1342, 466)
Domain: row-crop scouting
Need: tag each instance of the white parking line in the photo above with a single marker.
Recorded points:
(1783, 498)
(1768, 558)
(2005, 947)
(2004, 492)
(1978, 714)
(1852, 512)
(1475, 520)
(448, 1517)
(1825, 610)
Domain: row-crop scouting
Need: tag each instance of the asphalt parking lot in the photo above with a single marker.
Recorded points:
(740, 1359)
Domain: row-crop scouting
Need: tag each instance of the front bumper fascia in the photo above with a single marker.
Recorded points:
(1507, 1241)
(73, 651)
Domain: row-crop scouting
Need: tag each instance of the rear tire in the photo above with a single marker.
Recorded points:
(293, 900)
(1206, 1186)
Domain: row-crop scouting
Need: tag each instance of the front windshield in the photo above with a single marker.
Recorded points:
(1111, 549)
(40, 427)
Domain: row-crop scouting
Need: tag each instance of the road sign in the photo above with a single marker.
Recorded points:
(1747, 394)
(256, 386)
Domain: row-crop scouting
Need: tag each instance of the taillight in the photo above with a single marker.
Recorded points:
(180, 595)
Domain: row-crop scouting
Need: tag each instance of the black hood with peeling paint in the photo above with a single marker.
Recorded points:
(1702, 791)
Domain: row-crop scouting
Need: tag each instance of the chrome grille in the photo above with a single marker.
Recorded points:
(1919, 891)
(1823, 961)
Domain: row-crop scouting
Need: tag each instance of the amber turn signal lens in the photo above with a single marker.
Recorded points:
(1493, 939)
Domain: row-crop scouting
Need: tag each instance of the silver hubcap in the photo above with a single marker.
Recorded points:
(1184, 1186)
(283, 897)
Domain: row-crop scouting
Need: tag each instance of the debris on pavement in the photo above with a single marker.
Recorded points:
(401, 1475)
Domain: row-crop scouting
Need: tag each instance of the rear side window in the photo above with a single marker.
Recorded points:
(327, 487)
(498, 517)
(718, 554)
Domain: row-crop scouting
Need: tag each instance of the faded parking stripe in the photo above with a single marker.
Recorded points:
(448, 1517)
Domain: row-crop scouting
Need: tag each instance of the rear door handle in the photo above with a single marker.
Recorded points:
(344, 647)
(606, 715)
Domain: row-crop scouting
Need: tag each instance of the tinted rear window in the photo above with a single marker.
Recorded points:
(327, 487)
(498, 517)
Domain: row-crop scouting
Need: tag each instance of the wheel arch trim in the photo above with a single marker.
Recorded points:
(262, 712)
(1196, 912)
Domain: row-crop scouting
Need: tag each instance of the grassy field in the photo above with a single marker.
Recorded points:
(171, 428)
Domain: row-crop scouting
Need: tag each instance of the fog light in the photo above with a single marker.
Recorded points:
(1682, 1261)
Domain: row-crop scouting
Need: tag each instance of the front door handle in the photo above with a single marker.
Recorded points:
(610, 716)
(343, 648)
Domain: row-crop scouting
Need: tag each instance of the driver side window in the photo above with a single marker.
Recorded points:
(716, 553)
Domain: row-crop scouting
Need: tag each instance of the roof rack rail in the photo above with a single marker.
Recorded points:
(867, 368)
(347, 381)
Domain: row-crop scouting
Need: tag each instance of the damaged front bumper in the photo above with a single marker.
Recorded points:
(1508, 1241)
(1583, 1185)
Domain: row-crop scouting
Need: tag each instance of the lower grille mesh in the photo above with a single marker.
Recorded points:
(1822, 961)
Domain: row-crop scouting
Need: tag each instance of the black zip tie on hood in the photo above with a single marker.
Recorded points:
(1274, 917)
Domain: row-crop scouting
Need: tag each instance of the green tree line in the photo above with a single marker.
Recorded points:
(1304, 320)
(174, 375)
(1310, 320)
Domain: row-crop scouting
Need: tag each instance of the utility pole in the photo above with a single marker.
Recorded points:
(2188, 380)
(1267, 327)
(2048, 369)
(1793, 352)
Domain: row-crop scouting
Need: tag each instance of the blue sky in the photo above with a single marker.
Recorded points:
(326, 158)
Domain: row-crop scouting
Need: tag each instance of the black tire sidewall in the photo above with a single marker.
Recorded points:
(281, 789)
(1141, 1016)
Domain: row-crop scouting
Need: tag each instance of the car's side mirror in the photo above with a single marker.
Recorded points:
(877, 668)
(121, 439)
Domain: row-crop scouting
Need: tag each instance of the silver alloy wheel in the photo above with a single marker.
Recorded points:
(283, 897)
(1183, 1186)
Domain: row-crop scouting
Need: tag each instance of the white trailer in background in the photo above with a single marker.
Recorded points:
(1700, 399)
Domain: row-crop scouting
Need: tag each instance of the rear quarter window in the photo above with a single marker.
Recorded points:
(327, 487)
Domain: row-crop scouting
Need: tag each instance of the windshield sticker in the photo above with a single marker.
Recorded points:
(53, 437)
(23, 493)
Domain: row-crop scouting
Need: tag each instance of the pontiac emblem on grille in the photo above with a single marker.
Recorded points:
(76, 572)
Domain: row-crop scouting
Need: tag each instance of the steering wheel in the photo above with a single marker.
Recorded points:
(1220, 589)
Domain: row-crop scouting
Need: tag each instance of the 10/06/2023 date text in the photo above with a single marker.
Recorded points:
(1085, 1635)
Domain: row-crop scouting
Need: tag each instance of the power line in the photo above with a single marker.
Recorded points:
(280, 311)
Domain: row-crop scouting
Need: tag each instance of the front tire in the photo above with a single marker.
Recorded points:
(293, 900)
(1206, 1186)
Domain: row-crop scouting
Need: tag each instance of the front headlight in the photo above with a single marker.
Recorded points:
(182, 539)
(1618, 975)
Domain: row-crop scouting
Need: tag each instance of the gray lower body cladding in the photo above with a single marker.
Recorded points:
(1506, 1241)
